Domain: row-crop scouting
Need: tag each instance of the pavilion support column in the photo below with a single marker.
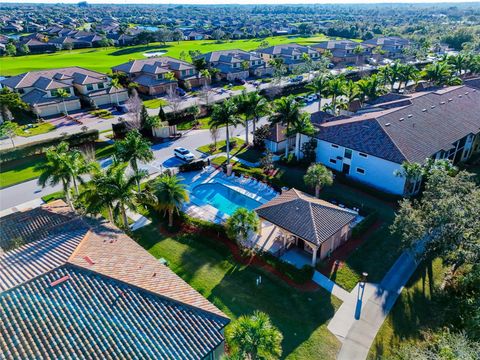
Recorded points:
(314, 256)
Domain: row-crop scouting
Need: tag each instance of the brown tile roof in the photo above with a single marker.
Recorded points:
(305, 216)
(427, 123)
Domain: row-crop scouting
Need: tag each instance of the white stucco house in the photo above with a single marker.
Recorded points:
(371, 145)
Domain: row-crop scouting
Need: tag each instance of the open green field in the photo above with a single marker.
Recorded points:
(102, 59)
(209, 267)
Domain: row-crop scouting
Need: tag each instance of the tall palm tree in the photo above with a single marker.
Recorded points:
(319, 86)
(258, 106)
(336, 88)
(205, 74)
(254, 337)
(318, 176)
(115, 83)
(408, 72)
(56, 169)
(63, 94)
(351, 92)
(438, 73)
(459, 63)
(286, 112)
(225, 114)
(302, 126)
(132, 149)
(369, 88)
(78, 166)
(170, 195)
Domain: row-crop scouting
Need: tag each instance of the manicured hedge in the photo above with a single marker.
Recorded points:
(40, 147)
(192, 166)
(365, 224)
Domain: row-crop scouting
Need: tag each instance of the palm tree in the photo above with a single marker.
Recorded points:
(358, 50)
(56, 169)
(225, 114)
(115, 83)
(287, 113)
(336, 88)
(438, 73)
(318, 176)
(132, 149)
(407, 73)
(302, 126)
(369, 87)
(170, 195)
(254, 337)
(78, 166)
(351, 92)
(205, 74)
(241, 224)
(63, 94)
(459, 63)
(258, 107)
(319, 86)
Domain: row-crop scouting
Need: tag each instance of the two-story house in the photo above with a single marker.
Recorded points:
(293, 55)
(151, 74)
(392, 46)
(371, 146)
(236, 64)
(40, 89)
(344, 51)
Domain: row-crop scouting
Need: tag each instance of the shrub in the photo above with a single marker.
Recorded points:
(291, 159)
(365, 224)
(192, 166)
(39, 147)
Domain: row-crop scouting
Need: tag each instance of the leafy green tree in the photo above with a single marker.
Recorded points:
(132, 149)
(358, 50)
(318, 176)
(408, 72)
(286, 111)
(10, 101)
(319, 86)
(254, 338)
(369, 88)
(241, 224)
(10, 49)
(439, 73)
(115, 83)
(9, 129)
(225, 114)
(24, 49)
(170, 195)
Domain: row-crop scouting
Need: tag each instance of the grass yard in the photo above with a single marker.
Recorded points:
(102, 59)
(210, 268)
(34, 129)
(417, 308)
(249, 154)
(155, 103)
(202, 124)
(234, 87)
(221, 147)
(21, 170)
(102, 113)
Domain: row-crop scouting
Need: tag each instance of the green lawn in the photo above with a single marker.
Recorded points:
(209, 268)
(234, 87)
(202, 124)
(21, 170)
(155, 103)
(34, 129)
(102, 59)
(418, 307)
(249, 154)
(221, 147)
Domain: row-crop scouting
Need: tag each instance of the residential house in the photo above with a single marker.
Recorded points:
(39, 89)
(293, 55)
(12, 27)
(150, 74)
(344, 51)
(71, 286)
(393, 46)
(371, 146)
(277, 141)
(295, 224)
(37, 43)
(236, 64)
(193, 35)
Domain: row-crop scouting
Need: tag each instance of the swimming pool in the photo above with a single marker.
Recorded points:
(223, 198)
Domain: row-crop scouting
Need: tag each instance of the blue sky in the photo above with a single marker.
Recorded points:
(239, 1)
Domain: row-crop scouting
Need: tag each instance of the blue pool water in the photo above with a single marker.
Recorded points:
(223, 198)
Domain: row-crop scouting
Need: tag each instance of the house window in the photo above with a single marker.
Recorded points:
(89, 87)
(360, 170)
(333, 161)
(348, 154)
(159, 77)
(334, 146)
(101, 85)
(363, 155)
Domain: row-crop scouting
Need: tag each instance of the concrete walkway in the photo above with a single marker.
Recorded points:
(364, 309)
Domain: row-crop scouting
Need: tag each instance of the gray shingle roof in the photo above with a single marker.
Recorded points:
(427, 123)
(305, 216)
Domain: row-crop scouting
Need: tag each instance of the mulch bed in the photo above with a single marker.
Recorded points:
(249, 261)
(338, 257)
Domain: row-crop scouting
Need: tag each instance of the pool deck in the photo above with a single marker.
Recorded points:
(199, 209)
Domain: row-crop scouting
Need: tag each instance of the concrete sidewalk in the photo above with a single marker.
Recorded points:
(331, 287)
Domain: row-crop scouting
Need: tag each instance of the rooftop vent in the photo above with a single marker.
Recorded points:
(424, 110)
(450, 99)
(409, 115)
(460, 95)
(88, 260)
(59, 281)
(387, 124)
(432, 107)
(442, 103)
(466, 92)
(401, 119)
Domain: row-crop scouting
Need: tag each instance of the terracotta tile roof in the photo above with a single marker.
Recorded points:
(87, 315)
(305, 216)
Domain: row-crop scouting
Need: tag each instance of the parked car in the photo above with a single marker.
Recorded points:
(181, 92)
(240, 81)
(183, 154)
